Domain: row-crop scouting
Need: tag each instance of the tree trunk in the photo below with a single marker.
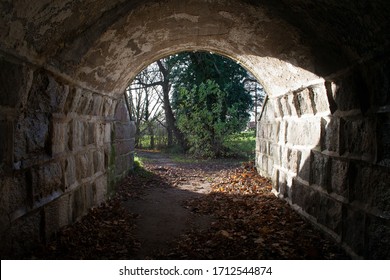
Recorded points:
(169, 116)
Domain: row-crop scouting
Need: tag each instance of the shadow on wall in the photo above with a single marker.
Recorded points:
(327, 149)
(62, 148)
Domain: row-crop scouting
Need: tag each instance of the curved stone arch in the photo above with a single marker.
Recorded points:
(269, 47)
(323, 137)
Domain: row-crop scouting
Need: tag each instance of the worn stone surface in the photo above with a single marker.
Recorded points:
(354, 224)
(13, 82)
(339, 177)
(325, 67)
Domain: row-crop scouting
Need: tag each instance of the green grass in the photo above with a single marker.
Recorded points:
(242, 144)
(139, 167)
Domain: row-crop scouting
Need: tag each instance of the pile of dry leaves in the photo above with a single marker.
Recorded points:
(248, 222)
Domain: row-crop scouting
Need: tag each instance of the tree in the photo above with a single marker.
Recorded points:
(210, 100)
(195, 87)
(201, 121)
(144, 105)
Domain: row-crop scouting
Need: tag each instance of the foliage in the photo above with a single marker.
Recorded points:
(241, 144)
(193, 100)
(210, 101)
(204, 120)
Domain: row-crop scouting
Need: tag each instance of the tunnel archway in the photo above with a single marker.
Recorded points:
(64, 74)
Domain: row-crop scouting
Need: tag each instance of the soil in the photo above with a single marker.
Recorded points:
(162, 216)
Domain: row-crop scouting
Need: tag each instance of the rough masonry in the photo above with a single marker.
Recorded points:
(323, 136)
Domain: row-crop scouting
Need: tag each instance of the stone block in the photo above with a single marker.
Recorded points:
(60, 137)
(263, 146)
(98, 161)
(46, 94)
(84, 167)
(100, 185)
(304, 133)
(290, 159)
(378, 238)
(359, 137)
(32, 136)
(282, 184)
(76, 134)
(383, 139)
(379, 183)
(284, 156)
(275, 179)
(122, 130)
(13, 83)
(284, 107)
(132, 144)
(305, 197)
(85, 103)
(112, 108)
(6, 145)
(58, 93)
(107, 133)
(269, 112)
(269, 131)
(69, 167)
(274, 152)
(360, 188)
(303, 102)
(294, 157)
(273, 109)
(13, 195)
(264, 164)
(45, 180)
(320, 170)
(283, 132)
(330, 213)
(99, 130)
(121, 112)
(354, 223)
(270, 166)
(121, 165)
(78, 203)
(339, 177)
(320, 99)
(377, 76)
(330, 139)
(305, 165)
(89, 133)
(350, 92)
(90, 195)
(72, 100)
(107, 106)
(97, 107)
(291, 105)
(57, 215)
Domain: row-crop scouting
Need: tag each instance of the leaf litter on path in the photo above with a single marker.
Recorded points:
(248, 221)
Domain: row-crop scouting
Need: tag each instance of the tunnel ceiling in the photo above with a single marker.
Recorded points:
(102, 44)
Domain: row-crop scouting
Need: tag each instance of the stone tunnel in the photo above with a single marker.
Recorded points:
(323, 135)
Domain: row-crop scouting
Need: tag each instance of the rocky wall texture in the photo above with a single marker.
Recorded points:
(57, 141)
(326, 148)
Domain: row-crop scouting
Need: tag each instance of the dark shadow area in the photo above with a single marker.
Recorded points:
(191, 211)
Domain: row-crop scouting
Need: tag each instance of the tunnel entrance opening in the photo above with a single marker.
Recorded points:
(321, 138)
(198, 103)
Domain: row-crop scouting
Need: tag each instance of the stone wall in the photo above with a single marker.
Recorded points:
(326, 148)
(60, 146)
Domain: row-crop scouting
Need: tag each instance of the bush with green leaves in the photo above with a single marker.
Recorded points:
(205, 119)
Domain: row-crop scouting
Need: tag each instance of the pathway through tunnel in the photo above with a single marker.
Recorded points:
(185, 209)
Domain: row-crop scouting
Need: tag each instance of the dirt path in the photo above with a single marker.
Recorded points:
(173, 209)
(162, 218)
